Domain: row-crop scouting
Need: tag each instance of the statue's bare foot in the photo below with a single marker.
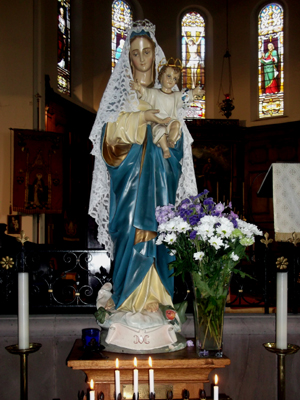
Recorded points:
(167, 153)
(110, 304)
(152, 307)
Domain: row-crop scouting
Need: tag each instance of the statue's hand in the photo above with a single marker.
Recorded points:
(150, 116)
(198, 92)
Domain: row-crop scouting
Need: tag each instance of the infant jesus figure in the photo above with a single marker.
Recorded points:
(167, 103)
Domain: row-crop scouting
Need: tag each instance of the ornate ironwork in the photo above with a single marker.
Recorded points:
(266, 241)
(294, 239)
(59, 279)
(69, 280)
(282, 263)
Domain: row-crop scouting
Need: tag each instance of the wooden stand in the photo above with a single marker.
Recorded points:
(175, 371)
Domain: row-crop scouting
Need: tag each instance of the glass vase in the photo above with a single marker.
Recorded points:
(209, 322)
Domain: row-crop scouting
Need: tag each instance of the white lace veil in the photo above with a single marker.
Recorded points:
(119, 97)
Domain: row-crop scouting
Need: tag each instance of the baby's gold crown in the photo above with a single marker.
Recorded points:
(171, 63)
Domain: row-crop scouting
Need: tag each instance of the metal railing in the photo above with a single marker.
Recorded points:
(68, 281)
(59, 280)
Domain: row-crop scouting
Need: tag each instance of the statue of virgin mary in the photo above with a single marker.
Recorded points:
(131, 178)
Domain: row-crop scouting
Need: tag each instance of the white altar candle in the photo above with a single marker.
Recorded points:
(117, 379)
(151, 377)
(216, 388)
(281, 310)
(23, 310)
(92, 391)
(135, 379)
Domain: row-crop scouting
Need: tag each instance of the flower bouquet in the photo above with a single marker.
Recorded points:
(208, 240)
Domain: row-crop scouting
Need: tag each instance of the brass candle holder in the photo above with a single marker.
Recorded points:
(23, 353)
(281, 353)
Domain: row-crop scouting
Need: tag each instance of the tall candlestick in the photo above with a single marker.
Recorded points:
(281, 310)
(217, 192)
(23, 310)
(92, 391)
(230, 191)
(151, 377)
(135, 379)
(216, 388)
(117, 379)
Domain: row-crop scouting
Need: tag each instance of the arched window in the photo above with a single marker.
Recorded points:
(63, 47)
(121, 20)
(270, 61)
(193, 59)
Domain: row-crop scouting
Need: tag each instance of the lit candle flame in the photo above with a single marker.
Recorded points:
(92, 384)
(216, 379)
(117, 363)
(150, 362)
(135, 362)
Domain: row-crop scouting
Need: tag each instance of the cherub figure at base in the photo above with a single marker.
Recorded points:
(166, 103)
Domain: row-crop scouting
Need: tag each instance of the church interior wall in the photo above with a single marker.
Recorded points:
(16, 87)
(27, 58)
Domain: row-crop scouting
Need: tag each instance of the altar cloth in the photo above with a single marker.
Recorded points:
(286, 200)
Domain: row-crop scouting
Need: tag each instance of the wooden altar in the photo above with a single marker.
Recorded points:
(175, 371)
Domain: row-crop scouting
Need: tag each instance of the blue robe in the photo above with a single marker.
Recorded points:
(134, 195)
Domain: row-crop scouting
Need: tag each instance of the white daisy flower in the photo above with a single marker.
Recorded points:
(170, 238)
(234, 256)
(216, 242)
(182, 226)
(160, 239)
(226, 227)
(199, 255)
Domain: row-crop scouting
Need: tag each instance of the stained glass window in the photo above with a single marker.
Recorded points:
(270, 61)
(193, 59)
(63, 46)
(121, 21)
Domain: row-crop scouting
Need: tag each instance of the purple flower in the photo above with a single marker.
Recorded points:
(233, 218)
(193, 235)
(171, 214)
(208, 201)
(185, 201)
(183, 206)
(194, 219)
(233, 215)
(235, 224)
(210, 208)
(164, 213)
(219, 207)
(193, 198)
(198, 208)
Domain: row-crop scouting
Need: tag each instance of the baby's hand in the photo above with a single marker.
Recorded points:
(198, 92)
(135, 85)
